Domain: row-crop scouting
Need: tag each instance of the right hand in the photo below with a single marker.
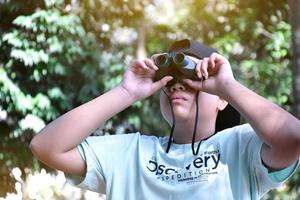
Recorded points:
(137, 80)
(217, 72)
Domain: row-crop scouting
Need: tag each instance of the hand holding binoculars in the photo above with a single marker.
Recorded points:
(176, 64)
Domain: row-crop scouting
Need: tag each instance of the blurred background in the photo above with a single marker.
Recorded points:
(58, 54)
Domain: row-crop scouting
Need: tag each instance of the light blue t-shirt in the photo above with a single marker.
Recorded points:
(137, 167)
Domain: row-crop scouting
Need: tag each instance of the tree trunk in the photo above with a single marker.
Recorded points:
(294, 6)
(141, 50)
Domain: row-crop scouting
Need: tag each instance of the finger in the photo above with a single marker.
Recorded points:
(151, 67)
(140, 64)
(150, 64)
(196, 85)
(216, 56)
(161, 83)
(204, 67)
(211, 64)
(133, 67)
(198, 69)
(217, 61)
(196, 60)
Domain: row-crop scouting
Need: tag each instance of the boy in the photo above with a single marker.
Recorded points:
(243, 162)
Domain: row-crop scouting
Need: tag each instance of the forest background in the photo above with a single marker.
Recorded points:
(58, 54)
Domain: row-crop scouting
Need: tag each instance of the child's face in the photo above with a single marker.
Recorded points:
(184, 103)
(183, 100)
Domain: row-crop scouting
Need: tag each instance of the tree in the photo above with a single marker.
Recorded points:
(45, 48)
(294, 6)
(56, 55)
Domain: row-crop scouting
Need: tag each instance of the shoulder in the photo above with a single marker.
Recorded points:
(109, 141)
(240, 130)
(241, 135)
(153, 140)
(123, 139)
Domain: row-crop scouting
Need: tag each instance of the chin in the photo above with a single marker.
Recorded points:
(180, 115)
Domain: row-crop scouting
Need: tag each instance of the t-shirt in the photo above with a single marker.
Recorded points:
(137, 167)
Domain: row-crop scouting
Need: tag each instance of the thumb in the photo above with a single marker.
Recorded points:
(196, 85)
(161, 83)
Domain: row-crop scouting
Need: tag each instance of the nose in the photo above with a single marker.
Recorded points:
(177, 87)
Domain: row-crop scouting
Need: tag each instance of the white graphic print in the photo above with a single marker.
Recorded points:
(198, 170)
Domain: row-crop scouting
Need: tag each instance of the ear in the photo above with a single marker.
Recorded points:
(221, 105)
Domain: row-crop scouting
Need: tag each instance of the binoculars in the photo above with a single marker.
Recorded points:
(176, 64)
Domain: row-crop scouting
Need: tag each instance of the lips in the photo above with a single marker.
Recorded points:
(177, 98)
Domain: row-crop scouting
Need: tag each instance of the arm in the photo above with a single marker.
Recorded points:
(56, 144)
(279, 130)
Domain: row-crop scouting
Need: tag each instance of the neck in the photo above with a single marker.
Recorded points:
(183, 132)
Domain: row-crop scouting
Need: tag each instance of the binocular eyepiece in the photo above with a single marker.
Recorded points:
(179, 59)
(176, 64)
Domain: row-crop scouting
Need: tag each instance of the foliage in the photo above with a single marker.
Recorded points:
(40, 185)
(45, 49)
(59, 54)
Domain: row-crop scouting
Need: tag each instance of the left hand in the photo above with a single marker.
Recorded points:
(217, 73)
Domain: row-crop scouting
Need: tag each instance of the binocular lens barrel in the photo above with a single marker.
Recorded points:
(162, 60)
(179, 58)
(176, 64)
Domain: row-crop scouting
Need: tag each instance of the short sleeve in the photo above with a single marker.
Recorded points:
(102, 155)
(260, 177)
(283, 174)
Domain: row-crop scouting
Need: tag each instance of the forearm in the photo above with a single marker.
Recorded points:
(66, 132)
(278, 129)
(274, 125)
